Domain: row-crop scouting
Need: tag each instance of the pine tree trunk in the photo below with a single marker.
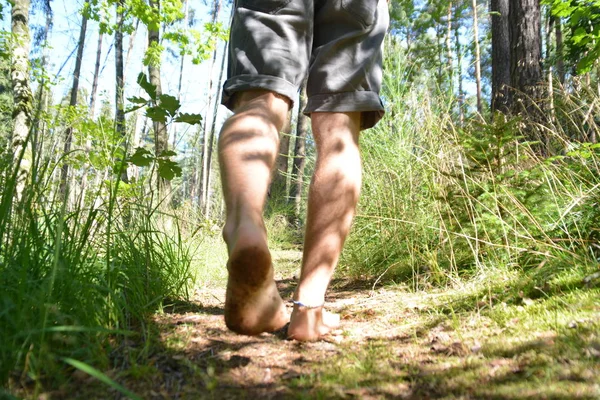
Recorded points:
(477, 58)
(560, 49)
(119, 101)
(526, 59)
(449, 60)
(299, 156)
(501, 94)
(461, 98)
(161, 139)
(73, 103)
(22, 95)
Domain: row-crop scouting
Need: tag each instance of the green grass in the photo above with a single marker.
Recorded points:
(500, 239)
(76, 280)
(455, 344)
(442, 203)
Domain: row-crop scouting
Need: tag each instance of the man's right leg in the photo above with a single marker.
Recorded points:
(248, 147)
(332, 199)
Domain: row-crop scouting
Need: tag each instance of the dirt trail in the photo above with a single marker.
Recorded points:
(391, 345)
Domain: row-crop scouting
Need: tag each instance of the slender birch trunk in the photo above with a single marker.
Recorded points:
(207, 135)
(161, 140)
(449, 58)
(22, 95)
(94, 94)
(181, 63)
(211, 137)
(119, 88)
(73, 103)
(130, 49)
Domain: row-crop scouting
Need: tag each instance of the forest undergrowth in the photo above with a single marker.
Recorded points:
(496, 221)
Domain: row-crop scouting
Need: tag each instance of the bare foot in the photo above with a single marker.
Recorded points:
(252, 302)
(311, 324)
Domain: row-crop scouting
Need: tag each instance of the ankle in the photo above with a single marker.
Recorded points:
(236, 226)
(308, 299)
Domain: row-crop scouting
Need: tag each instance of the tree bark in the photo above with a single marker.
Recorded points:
(22, 95)
(501, 94)
(73, 103)
(130, 49)
(207, 134)
(161, 139)
(560, 49)
(449, 60)
(119, 88)
(211, 137)
(181, 63)
(461, 98)
(477, 58)
(526, 70)
(526, 58)
(94, 94)
(299, 164)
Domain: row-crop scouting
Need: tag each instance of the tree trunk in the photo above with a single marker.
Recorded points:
(181, 63)
(211, 136)
(560, 48)
(161, 139)
(461, 98)
(501, 94)
(94, 94)
(449, 61)
(22, 95)
(477, 58)
(119, 101)
(73, 103)
(299, 156)
(207, 134)
(526, 59)
(278, 189)
(130, 48)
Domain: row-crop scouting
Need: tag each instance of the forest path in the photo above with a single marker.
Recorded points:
(394, 343)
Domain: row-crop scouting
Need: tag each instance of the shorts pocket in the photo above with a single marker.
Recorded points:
(363, 10)
(265, 6)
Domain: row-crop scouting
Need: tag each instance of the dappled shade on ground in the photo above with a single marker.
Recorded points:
(444, 344)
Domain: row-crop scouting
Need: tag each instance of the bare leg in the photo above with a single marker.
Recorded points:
(333, 195)
(248, 147)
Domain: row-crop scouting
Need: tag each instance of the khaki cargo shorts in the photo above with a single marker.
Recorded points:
(276, 44)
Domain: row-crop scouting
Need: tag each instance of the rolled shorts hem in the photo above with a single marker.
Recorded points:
(241, 83)
(367, 102)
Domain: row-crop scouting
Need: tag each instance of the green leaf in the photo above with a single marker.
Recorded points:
(191, 119)
(167, 153)
(156, 114)
(88, 369)
(149, 88)
(169, 103)
(586, 63)
(168, 169)
(137, 100)
(141, 157)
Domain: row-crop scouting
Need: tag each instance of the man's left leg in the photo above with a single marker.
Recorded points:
(248, 147)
